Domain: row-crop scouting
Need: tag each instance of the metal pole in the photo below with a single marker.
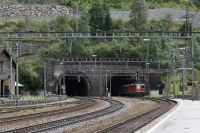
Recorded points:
(106, 84)
(60, 90)
(147, 55)
(101, 82)
(45, 79)
(3, 91)
(158, 62)
(0, 93)
(95, 62)
(148, 76)
(167, 84)
(10, 82)
(147, 51)
(110, 86)
(77, 23)
(60, 82)
(174, 75)
(70, 47)
(174, 83)
(183, 75)
(64, 91)
(17, 74)
(193, 43)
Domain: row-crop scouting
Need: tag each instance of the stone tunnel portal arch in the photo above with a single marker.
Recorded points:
(117, 82)
(75, 85)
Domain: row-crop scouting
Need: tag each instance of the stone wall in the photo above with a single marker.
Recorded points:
(34, 10)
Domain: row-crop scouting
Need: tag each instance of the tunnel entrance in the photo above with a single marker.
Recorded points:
(117, 82)
(76, 86)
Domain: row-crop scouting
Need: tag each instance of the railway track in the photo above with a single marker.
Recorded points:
(115, 105)
(85, 103)
(136, 122)
(5, 110)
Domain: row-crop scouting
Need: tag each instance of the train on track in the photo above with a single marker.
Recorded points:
(134, 89)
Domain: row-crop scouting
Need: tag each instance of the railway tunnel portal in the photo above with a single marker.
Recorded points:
(93, 76)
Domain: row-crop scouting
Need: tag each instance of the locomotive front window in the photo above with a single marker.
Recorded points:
(142, 86)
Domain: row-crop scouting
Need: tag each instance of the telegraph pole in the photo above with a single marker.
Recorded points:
(17, 73)
(193, 43)
(183, 75)
(174, 72)
(187, 30)
(45, 77)
(187, 18)
(77, 19)
(10, 80)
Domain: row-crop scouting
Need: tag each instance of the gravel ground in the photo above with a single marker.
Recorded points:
(100, 105)
(132, 107)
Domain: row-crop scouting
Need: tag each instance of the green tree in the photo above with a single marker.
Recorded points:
(138, 15)
(62, 24)
(31, 75)
(84, 23)
(100, 18)
(196, 2)
(108, 21)
(97, 18)
(164, 25)
(119, 25)
(167, 23)
(43, 26)
(186, 27)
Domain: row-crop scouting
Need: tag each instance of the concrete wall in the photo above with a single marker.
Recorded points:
(4, 76)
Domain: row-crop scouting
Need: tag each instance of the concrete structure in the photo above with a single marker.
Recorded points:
(182, 119)
(7, 78)
(96, 73)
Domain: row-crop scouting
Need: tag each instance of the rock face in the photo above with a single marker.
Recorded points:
(34, 10)
(158, 14)
(40, 11)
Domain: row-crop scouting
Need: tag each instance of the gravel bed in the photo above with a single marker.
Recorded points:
(100, 105)
(132, 107)
(126, 107)
(49, 107)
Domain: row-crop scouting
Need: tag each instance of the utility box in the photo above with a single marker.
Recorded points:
(154, 93)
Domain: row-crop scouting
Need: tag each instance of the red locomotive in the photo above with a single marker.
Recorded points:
(134, 89)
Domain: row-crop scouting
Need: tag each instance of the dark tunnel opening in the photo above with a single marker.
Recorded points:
(117, 82)
(76, 86)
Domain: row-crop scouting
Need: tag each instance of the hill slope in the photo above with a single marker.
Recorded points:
(115, 4)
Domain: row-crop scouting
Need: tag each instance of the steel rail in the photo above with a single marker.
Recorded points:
(84, 104)
(115, 105)
(32, 106)
(134, 123)
(28, 107)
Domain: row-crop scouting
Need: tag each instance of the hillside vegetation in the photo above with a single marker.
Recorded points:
(98, 19)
